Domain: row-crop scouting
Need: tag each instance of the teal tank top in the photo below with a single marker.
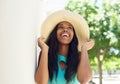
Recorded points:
(60, 79)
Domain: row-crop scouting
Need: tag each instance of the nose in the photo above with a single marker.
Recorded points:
(65, 29)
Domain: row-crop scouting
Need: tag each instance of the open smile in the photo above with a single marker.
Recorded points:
(65, 35)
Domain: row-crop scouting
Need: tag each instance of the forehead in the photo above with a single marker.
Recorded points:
(65, 22)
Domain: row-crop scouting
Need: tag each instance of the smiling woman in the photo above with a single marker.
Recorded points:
(64, 44)
(64, 32)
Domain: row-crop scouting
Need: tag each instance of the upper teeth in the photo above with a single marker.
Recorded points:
(65, 34)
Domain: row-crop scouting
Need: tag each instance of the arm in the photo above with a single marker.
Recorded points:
(84, 73)
(41, 75)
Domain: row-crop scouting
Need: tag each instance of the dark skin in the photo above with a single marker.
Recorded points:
(64, 35)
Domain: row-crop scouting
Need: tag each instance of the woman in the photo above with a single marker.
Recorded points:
(63, 58)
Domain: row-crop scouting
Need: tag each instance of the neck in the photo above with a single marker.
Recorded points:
(63, 50)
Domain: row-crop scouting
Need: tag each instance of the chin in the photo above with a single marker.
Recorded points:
(65, 42)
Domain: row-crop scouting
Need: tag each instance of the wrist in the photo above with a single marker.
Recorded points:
(83, 47)
(44, 50)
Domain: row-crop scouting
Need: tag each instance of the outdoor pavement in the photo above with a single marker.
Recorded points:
(114, 79)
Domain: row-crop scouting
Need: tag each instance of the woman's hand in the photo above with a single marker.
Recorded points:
(42, 44)
(88, 45)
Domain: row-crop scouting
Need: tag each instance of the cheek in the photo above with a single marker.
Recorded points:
(72, 34)
(58, 34)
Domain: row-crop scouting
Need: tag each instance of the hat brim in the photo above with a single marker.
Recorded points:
(80, 25)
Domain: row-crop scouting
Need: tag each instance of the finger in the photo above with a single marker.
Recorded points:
(90, 40)
(41, 38)
(90, 43)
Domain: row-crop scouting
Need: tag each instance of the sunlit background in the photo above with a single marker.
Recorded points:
(103, 18)
(20, 22)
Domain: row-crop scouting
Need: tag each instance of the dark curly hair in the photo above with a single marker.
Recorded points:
(72, 58)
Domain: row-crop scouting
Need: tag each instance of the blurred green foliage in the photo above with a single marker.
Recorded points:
(103, 18)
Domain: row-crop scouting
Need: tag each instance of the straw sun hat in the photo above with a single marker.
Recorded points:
(80, 25)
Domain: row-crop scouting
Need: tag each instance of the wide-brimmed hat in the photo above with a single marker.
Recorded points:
(78, 22)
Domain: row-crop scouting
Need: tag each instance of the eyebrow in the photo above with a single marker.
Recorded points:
(62, 24)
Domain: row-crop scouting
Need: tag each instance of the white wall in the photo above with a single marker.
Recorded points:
(19, 23)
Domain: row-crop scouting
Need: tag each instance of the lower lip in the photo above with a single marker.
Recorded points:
(65, 37)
